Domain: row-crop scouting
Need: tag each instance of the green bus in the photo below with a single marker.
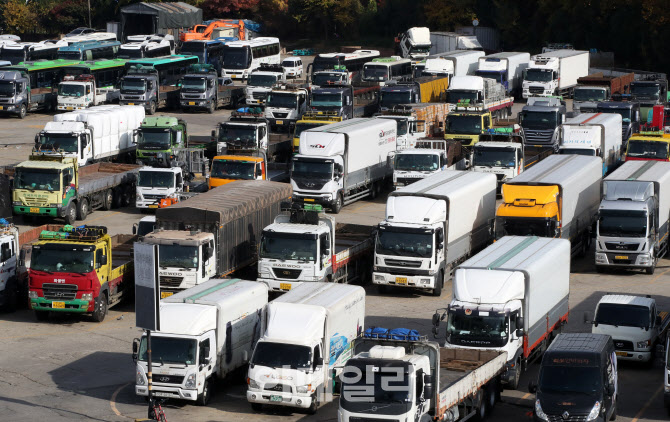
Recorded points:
(107, 72)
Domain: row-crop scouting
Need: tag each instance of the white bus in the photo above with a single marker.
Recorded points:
(242, 57)
(385, 69)
(353, 62)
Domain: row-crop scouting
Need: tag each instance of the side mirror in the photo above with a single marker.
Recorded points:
(532, 387)
(134, 228)
(136, 348)
(103, 260)
(519, 321)
(436, 319)
(659, 320)
(519, 332)
(214, 134)
(588, 317)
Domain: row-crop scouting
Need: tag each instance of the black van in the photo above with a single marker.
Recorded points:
(578, 380)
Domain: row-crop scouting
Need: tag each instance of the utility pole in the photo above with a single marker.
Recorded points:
(89, 14)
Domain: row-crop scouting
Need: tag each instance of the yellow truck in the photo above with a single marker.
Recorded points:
(312, 119)
(467, 125)
(648, 146)
(425, 89)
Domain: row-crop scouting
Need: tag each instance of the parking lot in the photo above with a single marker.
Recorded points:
(72, 368)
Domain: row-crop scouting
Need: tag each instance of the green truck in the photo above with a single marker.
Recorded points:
(55, 186)
(157, 138)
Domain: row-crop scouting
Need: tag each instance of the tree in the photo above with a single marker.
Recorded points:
(221, 8)
(19, 18)
(446, 14)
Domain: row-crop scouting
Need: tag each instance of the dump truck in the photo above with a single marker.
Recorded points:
(344, 101)
(202, 89)
(157, 139)
(80, 270)
(597, 87)
(426, 89)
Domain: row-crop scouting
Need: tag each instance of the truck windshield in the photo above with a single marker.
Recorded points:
(193, 85)
(486, 330)
(281, 100)
(153, 139)
(590, 94)
(130, 53)
(327, 100)
(233, 169)
(417, 162)
(622, 223)
(584, 380)
(261, 80)
(301, 127)
(651, 92)
(37, 179)
(389, 99)
(169, 350)
(376, 387)
(155, 179)
(13, 55)
(179, 256)
(320, 79)
(453, 97)
(542, 227)
(539, 75)
(288, 246)
(494, 157)
(647, 149)
(461, 124)
(6, 89)
(63, 259)
(421, 49)
(70, 55)
(375, 72)
(129, 85)
(624, 112)
(280, 355)
(236, 132)
(578, 151)
(57, 141)
(404, 242)
(145, 227)
(539, 120)
(622, 315)
(71, 90)
(312, 169)
(236, 57)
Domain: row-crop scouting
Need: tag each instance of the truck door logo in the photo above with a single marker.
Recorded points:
(619, 344)
(565, 415)
(164, 379)
(318, 146)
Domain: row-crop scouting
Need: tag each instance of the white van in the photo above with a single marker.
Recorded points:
(293, 66)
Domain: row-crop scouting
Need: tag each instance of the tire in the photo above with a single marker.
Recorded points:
(650, 270)
(490, 396)
(11, 296)
(337, 205)
(211, 107)
(71, 214)
(100, 308)
(203, 399)
(439, 283)
(374, 191)
(42, 315)
(613, 415)
(23, 110)
(108, 200)
(152, 108)
(118, 198)
(482, 408)
(514, 382)
(256, 407)
(311, 410)
(82, 209)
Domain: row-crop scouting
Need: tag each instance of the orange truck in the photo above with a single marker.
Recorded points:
(229, 168)
(227, 28)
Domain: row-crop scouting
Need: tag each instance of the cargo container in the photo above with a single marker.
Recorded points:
(593, 134)
(554, 73)
(442, 42)
(506, 68)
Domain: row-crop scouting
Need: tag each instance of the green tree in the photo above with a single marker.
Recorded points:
(18, 17)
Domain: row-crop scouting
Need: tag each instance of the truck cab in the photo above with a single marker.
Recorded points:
(284, 106)
(200, 88)
(145, 226)
(67, 138)
(413, 164)
(540, 119)
(242, 132)
(15, 92)
(540, 79)
(413, 43)
(141, 86)
(10, 288)
(586, 98)
(504, 159)
(155, 184)
(648, 93)
(333, 100)
(229, 168)
(648, 145)
(394, 94)
(410, 130)
(261, 81)
(630, 115)
(186, 259)
(77, 92)
(157, 138)
(466, 126)
(337, 76)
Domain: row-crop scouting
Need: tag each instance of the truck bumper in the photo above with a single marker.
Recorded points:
(75, 305)
(623, 259)
(70, 107)
(633, 356)
(278, 398)
(194, 105)
(666, 397)
(325, 199)
(255, 101)
(420, 281)
(9, 109)
(41, 211)
(167, 392)
(135, 102)
(280, 286)
(148, 203)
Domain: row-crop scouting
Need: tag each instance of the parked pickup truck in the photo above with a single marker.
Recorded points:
(634, 322)
(78, 92)
(80, 270)
(201, 89)
(435, 383)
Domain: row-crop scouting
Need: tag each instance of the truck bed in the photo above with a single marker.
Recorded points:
(351, 239)
(101, 176)
(122, 253)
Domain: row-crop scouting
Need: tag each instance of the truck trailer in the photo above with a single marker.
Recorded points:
(597, 87)
(506, 68)
(425, 89)
(416, 121)
(593, 134)
(554, 73)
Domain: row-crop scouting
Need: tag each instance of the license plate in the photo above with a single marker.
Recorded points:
(191, 103)
(35, 210)
(1, 108)
(401, 280)
(58, 305)
(69, 108)
(233, 76)
(166, 294)
(280, 122)
(131, 103)
(285, 286)
(158, 394)
(621, 257)
(153, 206)
(621, 354)
(275, 398)
(308, 200)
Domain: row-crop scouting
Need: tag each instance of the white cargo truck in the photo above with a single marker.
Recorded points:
(428, 157)
(464, 62)
(96, 134)
(307, 341)
(633, 216)
(507, 68)
(511, 297)
(206, 332)
(442, 42)
(261, 81)
(474, 93)
(554, 73)
(413, 43)
(431, 226)
(408, 378)
(157, 183)
(593, 134)
(78, 92)
(343, 162)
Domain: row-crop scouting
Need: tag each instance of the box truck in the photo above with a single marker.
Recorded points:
(558, 197)
(215, 233)
(205, 333)
(463, 62)
(98, 133)
(343, 162)
(431, 226)
(510, 297)
(426, 89)
(428, 157)
(506, 68)
(554, 73)
(593, 134)
(633, 216)
(442, 42)
(474, 93)
(307, 340)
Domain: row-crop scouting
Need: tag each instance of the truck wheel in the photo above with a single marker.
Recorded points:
(313, 407)
(42, 315)
(152, 107)
(10, 296)
(100, 308)
(337, 205)
(211, 108)
(203, 398)
(490, 397)
(650, 270)
(22, 111)
(71, 214)
(82, 209)
(514, 382)
(437, 291)
(108, 200)
(118, 198)
(481, 406)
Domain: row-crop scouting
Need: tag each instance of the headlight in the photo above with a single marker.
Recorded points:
(594, 412)
(539, 412)
(32, 294)
(140, 378)
(643, 344)
(87, 296)
(190, 381)
(253, 384)
(303, 388)
(379, 277)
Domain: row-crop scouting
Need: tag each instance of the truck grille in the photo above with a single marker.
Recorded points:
(173, 282)
(357, 419)
(168, 379)
(536, 89)
(623, 345)
(259, 95)
(402, 263)
(280, 115)
(150, 196)
(54, 291)
(278, 387)
(35, 202)
(625, 247)
(241, 144)
(539, 137)
(407, 180)
(287, 273)
(560, 418)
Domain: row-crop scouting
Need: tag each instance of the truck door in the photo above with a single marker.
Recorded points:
(487, 123)
(102, 266)
(8, 258)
